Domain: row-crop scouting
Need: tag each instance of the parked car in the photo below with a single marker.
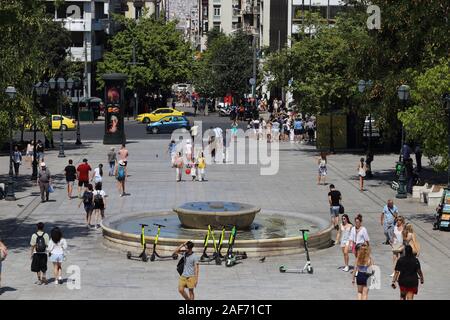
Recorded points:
(158, 114)
(168, 124)
(67, 123)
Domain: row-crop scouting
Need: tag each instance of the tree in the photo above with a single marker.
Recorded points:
(163, 57)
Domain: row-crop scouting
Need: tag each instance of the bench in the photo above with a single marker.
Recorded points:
(434, 197)
(418, 189)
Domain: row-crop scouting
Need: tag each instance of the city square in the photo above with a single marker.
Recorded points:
(248, 146)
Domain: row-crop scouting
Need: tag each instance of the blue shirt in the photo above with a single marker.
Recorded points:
(388, 216)
(298, 125)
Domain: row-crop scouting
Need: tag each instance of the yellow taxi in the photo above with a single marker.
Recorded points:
(67, 123)
(158, 114)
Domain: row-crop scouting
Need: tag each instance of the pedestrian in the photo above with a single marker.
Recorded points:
(112, 159)
(40, 151)
(334, 199)
(121, 176)
(188, 150)
(189, 276)
(83, 175)
(369, 160)
(99, 204)
(234, 129)
(322, 162)
(39, 243)
(361, 173)
(97, 175)
(88, 201)
(194, 170)
(3, 255)
(362, 271)
(57, 247)
(17, 160)
(409, 168)
(298, 127)
(358, 235)
(44, 181)
(123, 154)
(179, 165)
(388, 217)
(397, 241)
(418, 154)
(71, 174)
(201, 167)
(410, 239)
(276, 131)
(344, 236)
(172, 151)
(29, 153)
(407, 274)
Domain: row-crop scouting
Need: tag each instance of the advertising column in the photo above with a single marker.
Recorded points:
(114, 108)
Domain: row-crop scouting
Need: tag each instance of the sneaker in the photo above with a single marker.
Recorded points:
(44, 281)
(346, 269)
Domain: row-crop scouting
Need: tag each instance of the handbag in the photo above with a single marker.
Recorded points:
(341, 209)
(397, 248)
(50, 188)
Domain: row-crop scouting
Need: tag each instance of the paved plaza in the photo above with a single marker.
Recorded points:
(107, 274)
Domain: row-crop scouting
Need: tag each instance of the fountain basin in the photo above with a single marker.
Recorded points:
(198, 215)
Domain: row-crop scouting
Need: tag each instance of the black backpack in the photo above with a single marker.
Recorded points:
(87, 198)
(40, 243)
(98, 199)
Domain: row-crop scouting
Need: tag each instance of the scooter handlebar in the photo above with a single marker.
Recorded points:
(143, 225)
(159, 225)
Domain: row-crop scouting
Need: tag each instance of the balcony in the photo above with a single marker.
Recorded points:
(217, 1)
(216, 18)
(76, 24)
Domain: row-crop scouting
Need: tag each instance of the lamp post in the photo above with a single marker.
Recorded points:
(41, 89)
(77, 85)
(11, 93)
(403, 94)
(60, 85)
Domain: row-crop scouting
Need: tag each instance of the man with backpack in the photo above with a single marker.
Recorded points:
(99, 204)
(88, 201)
(44, 181)
(188, 268)
(39, 242)
(121, 175)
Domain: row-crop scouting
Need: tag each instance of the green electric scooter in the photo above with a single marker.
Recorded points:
(155, 254)
(143, 256)
(307, 268)
(232, 258)
(217, 246)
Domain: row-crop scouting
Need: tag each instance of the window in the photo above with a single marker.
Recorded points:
(77, 38)
(216, 25)
(217, 11)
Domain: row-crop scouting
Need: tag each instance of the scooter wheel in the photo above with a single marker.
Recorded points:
(128, 255)
(144, 257)
(310, 270)
(229, 263)
(282, 269)
(152, 257)
(175, 256)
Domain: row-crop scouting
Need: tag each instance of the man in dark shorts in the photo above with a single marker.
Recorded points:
(334, 199)
(71, 174)
(83, 175)
(39, 242)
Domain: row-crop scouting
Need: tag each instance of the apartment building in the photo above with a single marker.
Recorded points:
(136, 8)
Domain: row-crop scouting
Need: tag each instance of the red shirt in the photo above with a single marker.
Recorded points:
(83, 172)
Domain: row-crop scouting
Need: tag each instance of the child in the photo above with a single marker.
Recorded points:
(194, 169)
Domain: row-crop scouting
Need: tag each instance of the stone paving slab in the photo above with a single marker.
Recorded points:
(107, 274)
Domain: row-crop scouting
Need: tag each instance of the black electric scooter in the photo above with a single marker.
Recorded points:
(155, 254)
(217, 246)
(308, 268)
(232, 258)
(143, 256)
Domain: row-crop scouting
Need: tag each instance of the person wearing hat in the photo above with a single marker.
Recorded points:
(121, 175)
(44, 181)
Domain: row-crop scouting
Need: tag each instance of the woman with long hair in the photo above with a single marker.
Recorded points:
(56, 248)
(361, 173)
(410, 239)
(362, 271)
(358, 235)
(407, 272)
(322, 162)
(397, 240)
(97, 175)
(343, 235)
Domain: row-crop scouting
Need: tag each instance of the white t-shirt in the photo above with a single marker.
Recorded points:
(359, 237)
(97, 176)
(57, 248)
(398, 236)
(101, 192)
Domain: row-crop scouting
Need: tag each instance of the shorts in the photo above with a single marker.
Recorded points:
(83, 183)
(334, 211)
(404, 290)
(345, 243)
(57, 258)
(186, 282)
(88, 209)
(361, 278)
(99, 206)
(297, 132)
(70, 182)
(39, 262)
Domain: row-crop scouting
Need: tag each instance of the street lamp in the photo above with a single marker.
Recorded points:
(403, 95)
(77, 86)
(41, 89)
(11, 93)
(60, 85)
(362, 87)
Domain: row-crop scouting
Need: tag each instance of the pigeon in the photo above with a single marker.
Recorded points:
(262, 259)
